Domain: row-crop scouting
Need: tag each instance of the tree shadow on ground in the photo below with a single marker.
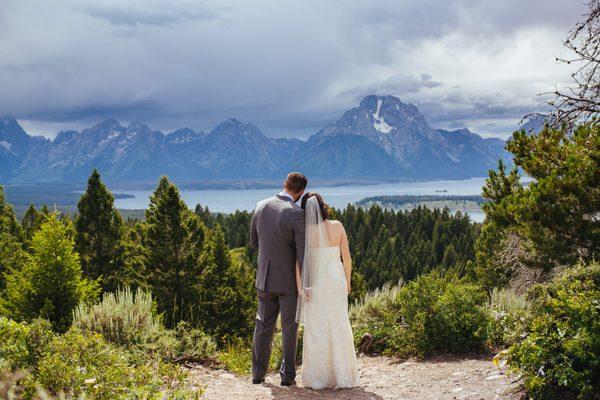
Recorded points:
(301, 393)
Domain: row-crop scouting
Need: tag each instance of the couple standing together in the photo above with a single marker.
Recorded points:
(304, 269)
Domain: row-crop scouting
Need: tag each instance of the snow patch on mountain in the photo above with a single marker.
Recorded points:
(453, 157)
(378, 121)
(5, 144)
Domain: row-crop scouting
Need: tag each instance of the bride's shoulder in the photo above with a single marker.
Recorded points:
(335, 223)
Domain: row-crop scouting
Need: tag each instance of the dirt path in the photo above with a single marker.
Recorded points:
(381, 378)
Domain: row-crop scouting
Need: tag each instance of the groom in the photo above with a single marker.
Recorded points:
(278, 231)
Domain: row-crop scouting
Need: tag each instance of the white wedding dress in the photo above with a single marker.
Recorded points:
(328, 354)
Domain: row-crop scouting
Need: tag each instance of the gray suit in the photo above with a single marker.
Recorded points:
(278, 232)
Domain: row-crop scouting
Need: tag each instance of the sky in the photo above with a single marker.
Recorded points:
(289, 67)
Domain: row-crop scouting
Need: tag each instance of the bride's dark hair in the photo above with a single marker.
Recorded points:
(322, 205)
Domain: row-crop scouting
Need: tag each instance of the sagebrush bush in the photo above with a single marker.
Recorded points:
(130, 320)
(123, 318)
(431, 314)
(509, 312)
(376, 314)
(560, 356)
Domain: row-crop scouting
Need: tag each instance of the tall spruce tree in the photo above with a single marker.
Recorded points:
(99, 234)
(175, 238)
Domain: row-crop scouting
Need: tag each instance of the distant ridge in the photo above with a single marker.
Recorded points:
(381, 138)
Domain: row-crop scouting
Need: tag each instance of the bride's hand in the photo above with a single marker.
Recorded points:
(349, 287)
(306, 293)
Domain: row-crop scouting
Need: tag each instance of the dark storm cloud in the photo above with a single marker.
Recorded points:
(289, 67)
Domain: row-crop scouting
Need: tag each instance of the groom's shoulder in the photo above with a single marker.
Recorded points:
(266, 201)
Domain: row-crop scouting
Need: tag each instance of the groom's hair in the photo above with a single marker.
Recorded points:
(295, 182)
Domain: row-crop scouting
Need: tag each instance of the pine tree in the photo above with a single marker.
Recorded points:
(12, 255)
(31, 222)
(450, 257)
(205, 215)
(8, 220)
(553, 221)
(227, 293)
(50, 284)
(134, 273)
(175, 238)
(99, 234)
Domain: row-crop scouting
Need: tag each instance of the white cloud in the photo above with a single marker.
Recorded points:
(288, 67)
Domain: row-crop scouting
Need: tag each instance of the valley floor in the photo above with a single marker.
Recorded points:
(381, 378)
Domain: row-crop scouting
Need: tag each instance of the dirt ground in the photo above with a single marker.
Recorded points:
(381, 378)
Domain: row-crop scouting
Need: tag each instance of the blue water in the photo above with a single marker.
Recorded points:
(338, 196)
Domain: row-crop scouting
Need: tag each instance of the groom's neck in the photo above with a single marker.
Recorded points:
(293, 197)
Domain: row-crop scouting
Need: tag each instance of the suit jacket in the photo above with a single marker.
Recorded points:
(278, 231)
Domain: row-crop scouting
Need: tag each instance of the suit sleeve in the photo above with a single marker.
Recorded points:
(253, 231)
(299, 235)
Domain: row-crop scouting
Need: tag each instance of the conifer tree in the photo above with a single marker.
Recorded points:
(12, 255)
(50, 284)
(175, 238)
(450, 257)
(99, 234)
(8, 220)
(134, 273)
(226, 290)
(31, 222)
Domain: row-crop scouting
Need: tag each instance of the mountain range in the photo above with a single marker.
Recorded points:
(380, 138)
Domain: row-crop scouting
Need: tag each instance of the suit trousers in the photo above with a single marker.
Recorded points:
(269, 306)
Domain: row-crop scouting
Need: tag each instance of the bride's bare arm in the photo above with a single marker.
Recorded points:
(298, 278)
(346, 258)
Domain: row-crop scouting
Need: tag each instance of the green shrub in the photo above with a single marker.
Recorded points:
(441, 316)
(23, 344)
(76, 364)
(430, 315)
(560, 357)
(509, 312)
(236, 357)
(193, 344)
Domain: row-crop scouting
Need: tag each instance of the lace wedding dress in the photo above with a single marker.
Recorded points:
(328, 354)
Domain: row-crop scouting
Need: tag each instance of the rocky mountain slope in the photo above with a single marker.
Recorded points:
(381, 138)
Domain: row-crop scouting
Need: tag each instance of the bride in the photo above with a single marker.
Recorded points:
(328, 355)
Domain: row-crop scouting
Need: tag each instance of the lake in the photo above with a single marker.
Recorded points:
(227, 201)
